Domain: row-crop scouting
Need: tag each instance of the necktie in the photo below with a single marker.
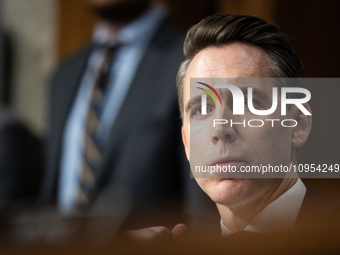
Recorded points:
(92, 151)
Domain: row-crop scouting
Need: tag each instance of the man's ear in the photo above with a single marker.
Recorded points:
(186, 146)
(302, 130)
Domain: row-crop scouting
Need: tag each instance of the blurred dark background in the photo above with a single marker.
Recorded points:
(312, 26)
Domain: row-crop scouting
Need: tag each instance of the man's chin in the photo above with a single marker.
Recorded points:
(218, 189)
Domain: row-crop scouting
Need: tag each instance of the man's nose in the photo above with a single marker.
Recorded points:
(223, 133)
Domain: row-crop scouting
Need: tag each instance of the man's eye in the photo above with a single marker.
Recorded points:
(198, 110)
(255, 102)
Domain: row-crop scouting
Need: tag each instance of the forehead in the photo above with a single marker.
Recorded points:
(237, 60)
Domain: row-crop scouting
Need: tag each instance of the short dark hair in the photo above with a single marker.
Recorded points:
(222, 29)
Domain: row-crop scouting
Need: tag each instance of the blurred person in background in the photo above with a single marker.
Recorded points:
(20, 162)
(114, 118)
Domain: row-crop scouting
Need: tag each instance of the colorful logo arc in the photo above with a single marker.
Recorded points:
(211, 88)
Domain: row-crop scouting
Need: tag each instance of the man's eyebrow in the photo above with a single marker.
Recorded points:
(197, 99)
(192, 101)
(256, 92)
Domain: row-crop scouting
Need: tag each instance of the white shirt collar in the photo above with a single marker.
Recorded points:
(279, 215)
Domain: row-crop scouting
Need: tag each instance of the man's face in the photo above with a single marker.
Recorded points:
(225, 145)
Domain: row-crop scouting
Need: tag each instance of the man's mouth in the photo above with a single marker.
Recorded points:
(228, 162)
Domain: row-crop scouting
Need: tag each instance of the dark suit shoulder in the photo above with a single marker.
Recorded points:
(317, 208)
(76, 61)
(66, 79)
(168, 35)
(20, 160)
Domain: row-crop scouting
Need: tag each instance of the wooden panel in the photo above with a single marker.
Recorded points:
(190, 12)
(313, 27)
(260, 8)
(76, 21)
(75, 26)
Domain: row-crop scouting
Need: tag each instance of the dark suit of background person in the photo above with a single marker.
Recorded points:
(144, 151)
(20, 162)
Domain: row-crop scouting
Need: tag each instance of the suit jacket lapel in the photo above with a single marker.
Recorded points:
(138, 99)
(64, 89)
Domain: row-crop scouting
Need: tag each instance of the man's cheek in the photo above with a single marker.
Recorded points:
(279, 146)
